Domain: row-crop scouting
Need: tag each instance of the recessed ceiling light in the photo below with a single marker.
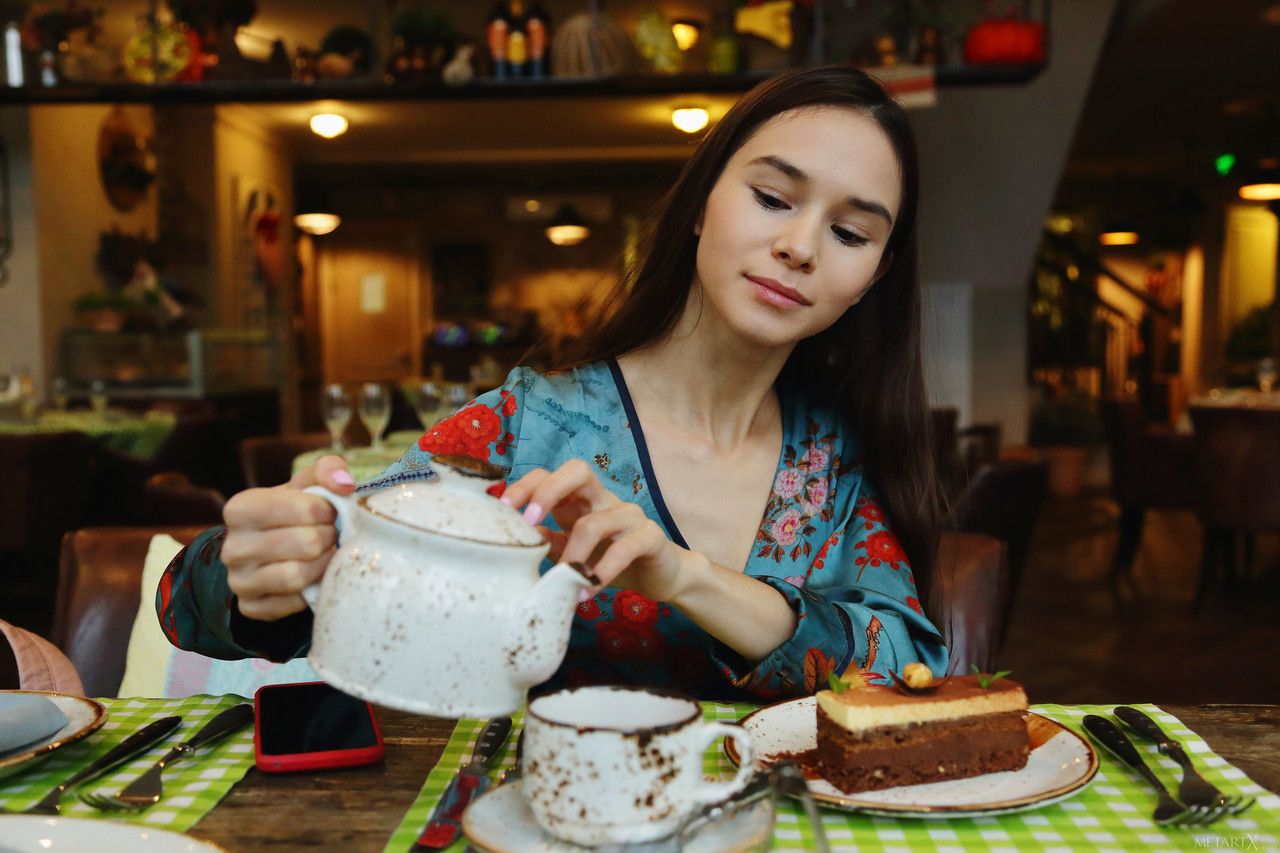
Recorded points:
(329, 125)
(317, 224)
(1260, 192)
(1118, 238)
(690, 119)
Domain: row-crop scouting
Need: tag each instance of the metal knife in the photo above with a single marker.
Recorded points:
(468, 783)
(117, 755)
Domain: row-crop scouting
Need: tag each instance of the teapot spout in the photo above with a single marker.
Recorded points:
(540, 634)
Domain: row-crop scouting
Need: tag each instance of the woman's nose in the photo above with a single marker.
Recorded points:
(795, 249)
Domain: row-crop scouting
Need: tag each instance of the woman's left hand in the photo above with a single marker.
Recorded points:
(621, 544)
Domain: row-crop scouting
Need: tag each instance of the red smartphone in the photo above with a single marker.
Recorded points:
(312, 726)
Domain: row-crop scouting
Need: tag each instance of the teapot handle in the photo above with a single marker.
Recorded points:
(344, 505)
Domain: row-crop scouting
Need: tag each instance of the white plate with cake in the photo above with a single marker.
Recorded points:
(962, 746)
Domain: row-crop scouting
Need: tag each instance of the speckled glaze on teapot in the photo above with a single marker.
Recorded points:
(433, 603)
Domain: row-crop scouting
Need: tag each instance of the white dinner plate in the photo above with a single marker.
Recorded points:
(1061, 764)
(500, 822)
(40, 834)
(83, 717)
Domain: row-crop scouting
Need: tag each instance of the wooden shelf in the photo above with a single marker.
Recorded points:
(368, 89)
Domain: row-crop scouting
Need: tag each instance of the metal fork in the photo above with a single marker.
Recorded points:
(1194, 790)
(139, 741)
(147, 789)
(1168, 812)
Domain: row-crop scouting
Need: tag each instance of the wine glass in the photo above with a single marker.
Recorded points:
(428, 402)
(375, 411)
(1266, 375)
(60, 394)
(98, 397)
(457, 395)
(335, 408)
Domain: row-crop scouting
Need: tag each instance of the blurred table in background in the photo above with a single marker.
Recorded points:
(365, 463)
(139, 436)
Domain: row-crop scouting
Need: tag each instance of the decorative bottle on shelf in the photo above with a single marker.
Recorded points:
(537, 28)
(724, 54)
(517, 39)
(497, 31)
(14, 75)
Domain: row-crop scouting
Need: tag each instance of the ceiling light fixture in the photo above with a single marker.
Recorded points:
(567, 229)
(329, 125)
(1260, 192)
(317, 224)
(686, 33)
(1118, 238)
(689, 119)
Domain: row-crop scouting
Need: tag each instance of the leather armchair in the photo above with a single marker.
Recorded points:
(1003, 501)
(170, 498)
(99, 585)
(968, 598)
(268, 460)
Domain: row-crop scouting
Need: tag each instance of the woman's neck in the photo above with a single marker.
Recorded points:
(706, 380)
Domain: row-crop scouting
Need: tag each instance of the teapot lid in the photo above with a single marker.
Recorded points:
(457, 504)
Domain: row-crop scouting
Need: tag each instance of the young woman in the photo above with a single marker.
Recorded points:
(740, 449)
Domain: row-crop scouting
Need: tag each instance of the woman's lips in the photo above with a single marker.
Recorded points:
(776, 293)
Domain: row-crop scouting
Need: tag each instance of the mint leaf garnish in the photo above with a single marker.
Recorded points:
(985, 680)
(837, 686)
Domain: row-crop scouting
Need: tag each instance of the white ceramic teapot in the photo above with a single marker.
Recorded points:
(433, 603)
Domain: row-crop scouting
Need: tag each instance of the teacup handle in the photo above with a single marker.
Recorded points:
(710, 792)
(345, 506)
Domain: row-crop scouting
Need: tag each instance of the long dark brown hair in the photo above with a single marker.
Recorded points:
(867, 365)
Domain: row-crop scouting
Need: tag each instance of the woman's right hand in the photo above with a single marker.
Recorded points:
(280, 540)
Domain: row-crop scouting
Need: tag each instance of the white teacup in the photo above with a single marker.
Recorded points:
(611, 765)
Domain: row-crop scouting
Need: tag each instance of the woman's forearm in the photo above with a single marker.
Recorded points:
(748, 616)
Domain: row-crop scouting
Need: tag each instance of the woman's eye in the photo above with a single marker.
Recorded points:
(769, 202)
(849, 238)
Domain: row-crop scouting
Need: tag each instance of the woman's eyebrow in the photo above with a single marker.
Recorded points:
(801, 176)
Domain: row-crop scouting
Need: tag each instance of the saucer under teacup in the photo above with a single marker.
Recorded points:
(500, 822)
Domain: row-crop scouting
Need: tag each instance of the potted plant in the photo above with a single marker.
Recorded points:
(104, 311)
(1066, 428)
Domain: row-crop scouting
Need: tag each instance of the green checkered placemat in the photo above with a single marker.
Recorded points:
(192, 786)
(1112, 814)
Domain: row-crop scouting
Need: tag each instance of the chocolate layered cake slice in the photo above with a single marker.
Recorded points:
(878, 737)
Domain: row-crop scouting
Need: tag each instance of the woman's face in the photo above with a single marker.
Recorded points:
(795, 229)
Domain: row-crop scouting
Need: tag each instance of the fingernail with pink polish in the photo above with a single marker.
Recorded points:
(533, 513)
(584, 595)
(505, 500)
(343, 478)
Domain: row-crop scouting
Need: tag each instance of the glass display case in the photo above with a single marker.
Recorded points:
(194, 364)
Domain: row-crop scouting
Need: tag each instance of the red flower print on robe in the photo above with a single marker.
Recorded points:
(630, 606)
(871, 511)
(615, 642)
(881, 547)
(509, 404)
(589, 609)
(466, 433)
(914, 604)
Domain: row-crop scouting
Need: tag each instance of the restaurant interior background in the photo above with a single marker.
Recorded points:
(156, 155)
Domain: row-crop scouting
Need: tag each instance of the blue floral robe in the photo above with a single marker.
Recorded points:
(823, 544)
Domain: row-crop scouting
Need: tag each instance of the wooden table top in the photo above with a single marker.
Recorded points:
(358, 809)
